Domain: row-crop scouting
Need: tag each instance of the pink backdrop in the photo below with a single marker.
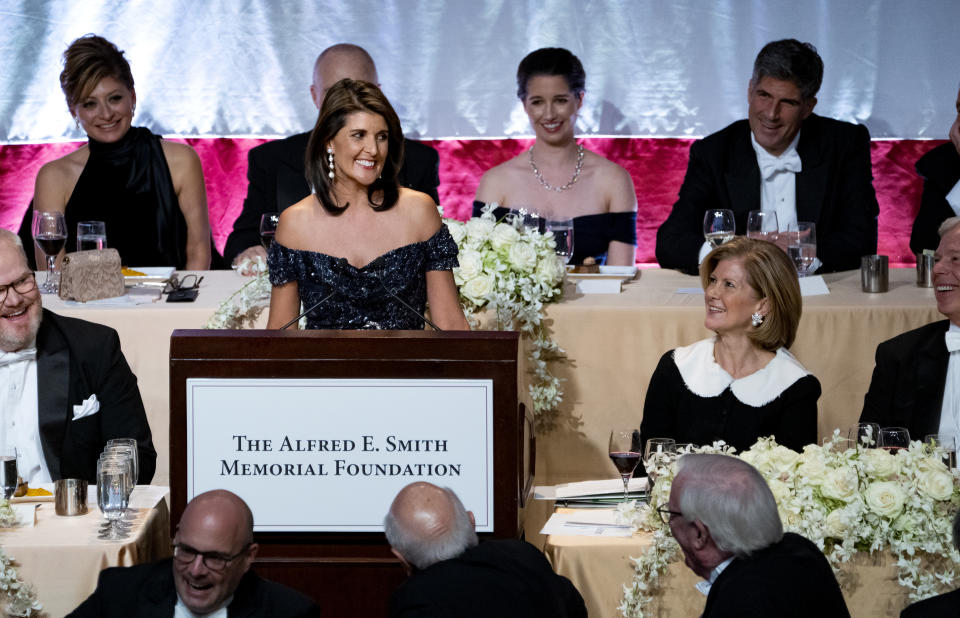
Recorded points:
(657, 166)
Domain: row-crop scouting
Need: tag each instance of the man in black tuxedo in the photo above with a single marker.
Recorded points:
(209, 572)
(940, 170)
(946, 605)
(782, 158)
(275, 170)
(725, 519)
(433, 535)
(65, 387)
(916, 380)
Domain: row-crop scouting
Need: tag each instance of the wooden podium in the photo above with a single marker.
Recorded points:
(354, 573)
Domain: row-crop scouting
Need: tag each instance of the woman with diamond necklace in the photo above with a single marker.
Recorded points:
(558, 178)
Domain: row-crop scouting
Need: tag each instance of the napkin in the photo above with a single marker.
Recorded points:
(89, 406)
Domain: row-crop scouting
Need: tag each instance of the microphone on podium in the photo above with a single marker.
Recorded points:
(376, 266)
(335, 290)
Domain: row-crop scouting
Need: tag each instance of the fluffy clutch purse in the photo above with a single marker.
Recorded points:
(91, 275)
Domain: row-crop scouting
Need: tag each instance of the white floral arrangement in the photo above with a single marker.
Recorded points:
(17, 597)
(511, 272)
(243, 307)
(846, 500)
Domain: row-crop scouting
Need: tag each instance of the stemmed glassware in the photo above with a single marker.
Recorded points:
(268, 227)
(113, 494)
(946, 444)
(563, 236)
(127, 449)
(624, 452)
(50, 233)
(657, 453)
(718, 226)
(894, 438)
(865, 435)
(802, 246)
(762, 225)
(8, 471)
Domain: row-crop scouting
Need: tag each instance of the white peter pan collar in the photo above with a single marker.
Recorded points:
(704, 377)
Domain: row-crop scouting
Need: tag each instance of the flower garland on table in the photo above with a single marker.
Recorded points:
(246, 304)
(512, 272)
(19, 598)
(844, 500)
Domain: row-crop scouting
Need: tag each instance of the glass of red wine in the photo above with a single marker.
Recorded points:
(268, 227)
(625, 454)
(894, 438)
(50, 233)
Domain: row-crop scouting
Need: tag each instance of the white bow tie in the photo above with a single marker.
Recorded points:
(953, 341)
(8, 358)
(789, 162)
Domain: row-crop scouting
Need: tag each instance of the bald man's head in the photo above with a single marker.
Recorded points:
(427, 524)
(341, 61)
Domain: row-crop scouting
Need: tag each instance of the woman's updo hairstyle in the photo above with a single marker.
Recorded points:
(88, 60)
(551, 61)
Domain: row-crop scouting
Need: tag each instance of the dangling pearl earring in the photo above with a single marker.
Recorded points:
(330, 162)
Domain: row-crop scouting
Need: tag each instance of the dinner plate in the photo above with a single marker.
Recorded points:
(150, 273)
(48, 486)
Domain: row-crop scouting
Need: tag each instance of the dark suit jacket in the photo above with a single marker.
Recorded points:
(495, 578)
(834, 190)
(275, 172)
(940, 170)
(906, 389)
(148, 591)
(943, 606)
(77, 359)
(790, 578)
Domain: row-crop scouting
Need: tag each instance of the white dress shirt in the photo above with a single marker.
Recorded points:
(704, 585)
(20, 417)
(778, 181)
(950, 410)
(182, 611)
(953, 198)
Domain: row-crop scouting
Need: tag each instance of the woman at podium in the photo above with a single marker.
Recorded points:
(361, 252)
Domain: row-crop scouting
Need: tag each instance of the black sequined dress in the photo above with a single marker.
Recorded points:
(361, 299)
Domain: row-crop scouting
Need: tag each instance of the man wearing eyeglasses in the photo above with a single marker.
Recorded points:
(725, 519)
(65, 387)
(209, 574)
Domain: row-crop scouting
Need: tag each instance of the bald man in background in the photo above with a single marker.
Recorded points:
(275, 170)
(451, 574)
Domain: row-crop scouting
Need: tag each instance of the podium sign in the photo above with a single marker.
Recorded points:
(329, 455)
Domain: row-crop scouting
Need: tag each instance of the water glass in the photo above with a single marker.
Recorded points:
(866, 435)
(91, 235)
(657, 453)
(112, 497)
(563, 236)
(762, 225)
(268, 228)
(526, 219)
(8, 471)
(718, 226)
(946, 445)
(802, 246)
(131, 445)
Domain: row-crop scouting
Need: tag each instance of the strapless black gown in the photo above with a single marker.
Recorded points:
(361, 299)
(591, 233)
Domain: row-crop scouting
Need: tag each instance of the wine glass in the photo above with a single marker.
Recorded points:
(563, 236)
(947, 445)
(802, 246)
(526, 219)
(866, 435)
(112, 496)
(718, 226)
(625, 454)
(894, 438)
(268, 227)
(50, 233)
(762, 225)
(657, 453)
(8, 471)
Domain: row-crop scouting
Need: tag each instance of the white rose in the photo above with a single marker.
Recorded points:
(503, 236)
(550, 270)
(783, 459)
(938, 484)
(471, 265)
(878, 463)
(479, 229)
(479, 289)
(522, 257)
(457, 230)
(885, 498)
(780, 490)
(838, 524)
(839, 484)
(812, 468)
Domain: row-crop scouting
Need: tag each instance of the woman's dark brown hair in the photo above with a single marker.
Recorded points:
(88, 60)
(346, 97)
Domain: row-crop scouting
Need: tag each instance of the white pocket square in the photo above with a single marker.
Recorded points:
(89, 406)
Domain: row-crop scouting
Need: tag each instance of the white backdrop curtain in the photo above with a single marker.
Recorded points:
(654, 68)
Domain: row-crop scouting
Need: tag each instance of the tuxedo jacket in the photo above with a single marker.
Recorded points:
(276, 180)
(940, 170)
(75, 360)
(946, 605)
(148, 591)
(906, 389)
(789, 578)
(834, 190)
(495, 578)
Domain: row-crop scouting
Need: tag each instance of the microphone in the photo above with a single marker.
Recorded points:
(376, 267)
(335, 290)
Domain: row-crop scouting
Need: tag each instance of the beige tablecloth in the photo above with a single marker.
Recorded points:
(613, 343)
(61, 557)
(599, 568)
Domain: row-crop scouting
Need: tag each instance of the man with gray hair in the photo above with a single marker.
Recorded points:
(725, 519)
(784, 159)
(451, 574)
(276, 169)
(916, 380)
